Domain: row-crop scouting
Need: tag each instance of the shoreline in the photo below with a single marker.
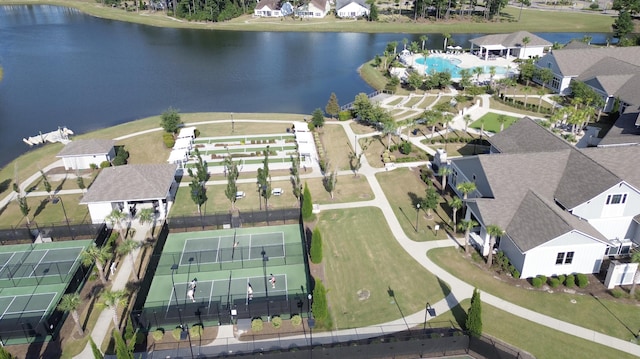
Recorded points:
(535, 20)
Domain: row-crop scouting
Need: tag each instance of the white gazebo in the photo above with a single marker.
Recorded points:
(510, 45)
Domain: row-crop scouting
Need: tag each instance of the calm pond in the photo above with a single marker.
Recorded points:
(65, 68)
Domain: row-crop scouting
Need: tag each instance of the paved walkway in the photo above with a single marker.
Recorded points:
(459, 289)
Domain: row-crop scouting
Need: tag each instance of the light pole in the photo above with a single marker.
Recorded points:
(57, 199)
(417, 215)
(265, 259)
(233, 128)
(311, 323)
(185, 329)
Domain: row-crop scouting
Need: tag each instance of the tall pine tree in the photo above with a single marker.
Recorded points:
(474, 317)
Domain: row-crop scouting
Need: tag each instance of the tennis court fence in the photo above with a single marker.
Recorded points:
(222, 220)
(59, 231)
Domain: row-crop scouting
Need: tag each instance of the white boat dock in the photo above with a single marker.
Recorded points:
(59, 135)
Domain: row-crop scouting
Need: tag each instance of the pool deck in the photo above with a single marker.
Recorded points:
(468, 60)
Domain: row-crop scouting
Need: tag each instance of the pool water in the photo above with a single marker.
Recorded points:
(441, 64)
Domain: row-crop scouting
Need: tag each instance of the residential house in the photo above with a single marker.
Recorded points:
(508, 45)
(352, 8)
(272, 8)
(563, 210)
(610, 71)
(81, 154)
(314, 9)
(130, 188)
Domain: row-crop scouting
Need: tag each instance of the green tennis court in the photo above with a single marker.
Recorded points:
(47, 262)
(209, 293)
(228, 248)
(32, 306)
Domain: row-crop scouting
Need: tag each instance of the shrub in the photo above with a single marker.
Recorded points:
(276, 322)
(562, 278)
(316, 246)
(158, 334)
(319, 306)
(554, 282)
(196, 133)
(344, 115)
(617, 293)
(176, 333)
(168, 140)
(570, 282)
(93, 166)
(536, 282)
(307, 204)
(583, 280)
(543, 278)
(474, 319)
(515, 273)
(105, 164)
(257, 325)
(196, 331)
(296, 320)
(594, 6)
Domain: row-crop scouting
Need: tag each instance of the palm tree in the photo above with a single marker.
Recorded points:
(423, 40)
(466, 188)
(525, 40)
(116, 218)
(493, 231)
(446, 120)
(446, 36)
(635, 258)
(501, 120)
(98, 255)
(467, 226)
(127, 248)
(492, 73)
(467, 120)
(478, 71)
(455, 203)
(443, 172)
(526, 91)
(146, 215)
(70, 303)
(388, 128)
(113, 299)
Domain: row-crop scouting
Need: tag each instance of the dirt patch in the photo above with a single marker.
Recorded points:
(363, 294)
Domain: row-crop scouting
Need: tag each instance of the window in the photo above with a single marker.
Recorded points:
(569, 258)
(616, 198)
(555, 83)
(564, 258)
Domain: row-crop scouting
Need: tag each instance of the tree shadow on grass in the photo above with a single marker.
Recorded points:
(4, 185)
(41, 207)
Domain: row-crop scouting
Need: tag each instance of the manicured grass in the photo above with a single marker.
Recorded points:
(532, 20)
(502, 107)
(348, 189)
(360, 253)
(372, 76)
(603, 315)
(542, 342)
(491, 123)
(44, 211)
(244, 128)
(337, 147)
(360, 129)
(147, 148)
(403, 188)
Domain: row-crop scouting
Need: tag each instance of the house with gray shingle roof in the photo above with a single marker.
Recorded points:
(314, 9)
(563, 210)
(351, 9)
(81, 154)
(510, 45)
(130, 188)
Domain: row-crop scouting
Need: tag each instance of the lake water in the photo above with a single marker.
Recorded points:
(65, 68)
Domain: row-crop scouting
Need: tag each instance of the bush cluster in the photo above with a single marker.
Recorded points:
(583, 280)
(344, 115)
(257, 325)
(570, 282)
(316, 246)
(296, 320)
(510, 101)
(276, 322)
(168, 139)
(506, 266)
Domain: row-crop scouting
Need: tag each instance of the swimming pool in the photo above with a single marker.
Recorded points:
(441, 64)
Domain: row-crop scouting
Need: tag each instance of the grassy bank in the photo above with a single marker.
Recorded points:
(531, 20)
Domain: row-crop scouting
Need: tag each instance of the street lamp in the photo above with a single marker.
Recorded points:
(311, 322)
(265, 259)
(417, 215)
(57, 199)
(232, 124)
(185, 329)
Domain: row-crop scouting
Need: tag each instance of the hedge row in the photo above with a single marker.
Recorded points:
(568, 280)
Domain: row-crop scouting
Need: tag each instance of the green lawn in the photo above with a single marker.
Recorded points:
(604, 316)
(491, 124)
(403, 188)
(532, 20)
(542, 342)
(43, 211)
(336, 146)
(361, 253)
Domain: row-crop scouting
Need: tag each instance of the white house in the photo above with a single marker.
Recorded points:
(510, 45)
(352, 8)
(130, 188)
(268, 8)
(314, 9)
(81, 154)
(563, 210)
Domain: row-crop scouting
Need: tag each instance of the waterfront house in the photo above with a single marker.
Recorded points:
(81, 154)
(352, 8)
(510, 45)
(314, 9)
